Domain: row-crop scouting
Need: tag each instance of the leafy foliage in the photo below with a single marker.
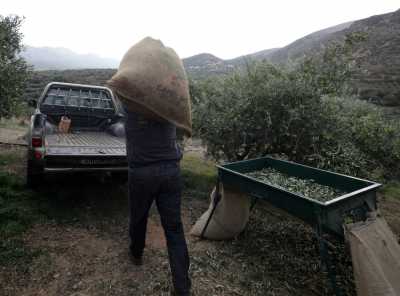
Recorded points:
(13, 68)
(295, 112)
(328, 72)
(306, 187)
(360, 140)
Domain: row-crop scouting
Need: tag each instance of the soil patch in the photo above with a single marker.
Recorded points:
(83, 247)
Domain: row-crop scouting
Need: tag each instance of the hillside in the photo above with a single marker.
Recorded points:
(378, 79)
(58, 58)
(260, 55)
(205, 64)
(379, 58)
(306, 45)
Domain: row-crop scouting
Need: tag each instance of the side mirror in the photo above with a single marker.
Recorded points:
(32, 103)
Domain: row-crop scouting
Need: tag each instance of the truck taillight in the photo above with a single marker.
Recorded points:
(37, 142)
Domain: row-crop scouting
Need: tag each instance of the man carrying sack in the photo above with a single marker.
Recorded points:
(152, 86)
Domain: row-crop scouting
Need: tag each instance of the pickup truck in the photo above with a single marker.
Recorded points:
(94, 142)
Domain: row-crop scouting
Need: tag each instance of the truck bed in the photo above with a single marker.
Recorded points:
(84, 143)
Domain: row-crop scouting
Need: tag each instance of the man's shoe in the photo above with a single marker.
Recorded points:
(174, 293)
(138, 261)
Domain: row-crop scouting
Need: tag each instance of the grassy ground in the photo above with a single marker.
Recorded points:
(392, 190)
(17, 211)
(14, 123)
(199, 175)
(17, 214)
(70, 238)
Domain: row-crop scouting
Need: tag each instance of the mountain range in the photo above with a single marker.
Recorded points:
(378, 57)
(377, 78)
(204, 64)
(59, 58)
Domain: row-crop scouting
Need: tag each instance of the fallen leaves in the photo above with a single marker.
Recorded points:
(306, 187)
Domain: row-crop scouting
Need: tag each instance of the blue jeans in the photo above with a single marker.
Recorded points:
(162, 183)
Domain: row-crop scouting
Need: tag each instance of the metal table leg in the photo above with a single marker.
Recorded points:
(326, 260)
(216, 199)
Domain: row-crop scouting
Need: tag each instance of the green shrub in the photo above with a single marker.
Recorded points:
(17, 212)
(392, 190)
(198, 175)
(13, 68)
(375, 140)
(259, 112)
(270, 110)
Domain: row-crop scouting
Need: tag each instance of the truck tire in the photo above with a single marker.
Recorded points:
(119, 177)
(34, 175)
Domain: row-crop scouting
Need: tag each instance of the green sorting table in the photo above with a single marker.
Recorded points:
(324, 217)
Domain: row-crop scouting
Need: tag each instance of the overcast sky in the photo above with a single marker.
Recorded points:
(226, 29)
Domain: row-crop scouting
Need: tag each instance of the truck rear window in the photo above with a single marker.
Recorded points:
(82, 98)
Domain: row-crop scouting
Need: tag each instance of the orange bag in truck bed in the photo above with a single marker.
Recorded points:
(64, 125)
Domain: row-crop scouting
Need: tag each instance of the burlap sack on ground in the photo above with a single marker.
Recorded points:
(151, 78)
(375, 254)
(229, 219)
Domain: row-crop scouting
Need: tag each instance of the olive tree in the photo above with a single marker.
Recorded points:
(266, 110)
(13, 68)
(296, 112)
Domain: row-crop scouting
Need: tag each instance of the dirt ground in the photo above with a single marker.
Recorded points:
(88, 259)
(83, 248)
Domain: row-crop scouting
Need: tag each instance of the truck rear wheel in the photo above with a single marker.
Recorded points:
(119, 177)
(34, 175)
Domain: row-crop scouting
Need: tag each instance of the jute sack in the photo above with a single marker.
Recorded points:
(375, 254)
(151, 79)
(229, 219)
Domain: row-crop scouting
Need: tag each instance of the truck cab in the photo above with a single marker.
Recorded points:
(94, 141)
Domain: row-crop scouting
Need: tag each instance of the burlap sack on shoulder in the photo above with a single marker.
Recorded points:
(229, 219)
(151, 77)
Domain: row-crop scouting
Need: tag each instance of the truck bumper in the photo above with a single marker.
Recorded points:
(84, 163)
(77, 169)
